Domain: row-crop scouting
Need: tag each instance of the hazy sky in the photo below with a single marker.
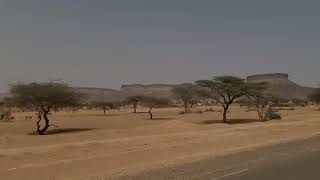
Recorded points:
(106, 43)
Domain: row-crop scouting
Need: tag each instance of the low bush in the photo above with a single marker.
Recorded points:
(210, 110)
(274, 115)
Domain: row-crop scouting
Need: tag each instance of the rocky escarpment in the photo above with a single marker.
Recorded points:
(99, 94)
(157, 90)
(280, 85)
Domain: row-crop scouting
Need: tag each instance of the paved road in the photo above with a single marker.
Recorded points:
(298, 160)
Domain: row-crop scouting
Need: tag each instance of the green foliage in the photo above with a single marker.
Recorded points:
(133, 100)
(188, 93)
(226, 88)
(149, 101)
(103, 104)
(152, 102)
(46, 94)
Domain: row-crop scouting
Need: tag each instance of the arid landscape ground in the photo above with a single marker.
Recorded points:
(88, 145)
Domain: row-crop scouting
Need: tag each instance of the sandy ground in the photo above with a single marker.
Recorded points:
(88, 145)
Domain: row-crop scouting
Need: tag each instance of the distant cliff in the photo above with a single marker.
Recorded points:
(158, 90)
(98, 94)
(280, 85)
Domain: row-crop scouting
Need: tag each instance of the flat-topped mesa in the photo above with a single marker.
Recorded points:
(277, 78)
(280, 85)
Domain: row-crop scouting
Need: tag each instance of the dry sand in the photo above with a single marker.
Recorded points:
(88, 145)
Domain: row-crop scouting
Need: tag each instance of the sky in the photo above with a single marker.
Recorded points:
(107, 43)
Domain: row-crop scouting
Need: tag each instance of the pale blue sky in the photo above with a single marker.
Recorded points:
(106, 43)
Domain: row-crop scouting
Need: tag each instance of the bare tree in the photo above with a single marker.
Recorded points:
(262, 104)
(152, 102)
(43, 97)
(225, 90)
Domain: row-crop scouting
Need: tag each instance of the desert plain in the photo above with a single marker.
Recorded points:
(86, 145)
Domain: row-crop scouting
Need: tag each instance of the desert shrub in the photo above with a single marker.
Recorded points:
(285, 109)
(210, 110)
(186, 112)
(274, 115)
(6, 115)
(199, 111)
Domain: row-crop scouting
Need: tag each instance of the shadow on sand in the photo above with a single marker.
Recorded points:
(64, 131)
(107, 115)
(230, 121)
(162, 119)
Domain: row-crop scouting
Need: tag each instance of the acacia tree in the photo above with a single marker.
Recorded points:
(188, 93)
(43, 97)
(225, 90)
(134, 100)
(104, 105)
(117, 105)
(152, 102)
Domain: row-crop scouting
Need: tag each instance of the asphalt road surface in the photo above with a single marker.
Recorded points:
(298, 160)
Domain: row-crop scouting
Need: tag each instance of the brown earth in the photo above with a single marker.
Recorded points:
(88, 145)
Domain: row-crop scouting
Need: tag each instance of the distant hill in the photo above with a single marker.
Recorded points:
(280, 85)
(157, 90)
(3, 95)
(98, 94)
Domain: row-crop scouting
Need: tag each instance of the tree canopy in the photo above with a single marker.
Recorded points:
(43, 94)
(133, 100)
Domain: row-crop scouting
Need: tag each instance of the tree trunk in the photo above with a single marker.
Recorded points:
(225, 111)
(104, 111)
(135, 108)
(45, 112)
(186, 106)
(151, 116)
